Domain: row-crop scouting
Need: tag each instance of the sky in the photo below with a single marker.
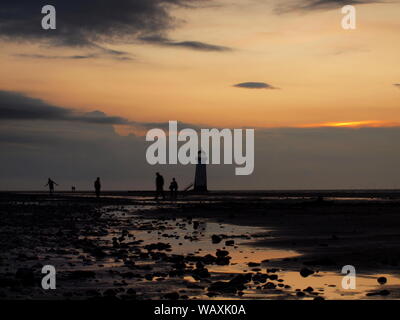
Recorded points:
(75, 101)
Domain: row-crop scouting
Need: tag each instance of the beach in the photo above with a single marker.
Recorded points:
(222, 245)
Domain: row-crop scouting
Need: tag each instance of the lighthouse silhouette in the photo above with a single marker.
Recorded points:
(200, 179)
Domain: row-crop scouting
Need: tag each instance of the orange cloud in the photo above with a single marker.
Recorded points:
(353, 124)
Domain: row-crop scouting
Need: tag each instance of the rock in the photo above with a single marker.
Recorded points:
(148, 277)
(194, 286)
(229, 242)
(179, 265)
(273, 276)
(382, 280)
(222, 253)
(143, 255)
(300, 294)
(222, 261)
(176, 258)
(379, 293)
(309, 289)
(172, 296)
(176, 273)
(222, 257)
(269, 285)
(261, 278)
(209, 259)
(223, 287)
(81, 274)
(305, 272)
(26, 276)
(216, 239)
(253, 264)
(129, 263)
(240, 280)
(130, 275)
(384, 292)
(158, 246)
(110, 293)
(98, 253)
(201, 272)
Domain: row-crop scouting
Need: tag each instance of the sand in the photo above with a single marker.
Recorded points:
(222, 245)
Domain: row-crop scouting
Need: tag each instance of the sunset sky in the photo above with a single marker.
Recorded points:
(324, 73)
(198, 61)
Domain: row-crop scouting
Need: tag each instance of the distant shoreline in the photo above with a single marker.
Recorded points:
(345, 193)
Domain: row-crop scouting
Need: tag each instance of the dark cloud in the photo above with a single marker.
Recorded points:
(254, 85)
(309, 5)
(16, 106)
(85, 22)
(120, 57)
(195, 45)
(41, 56)
(91, 24)
(397, 85)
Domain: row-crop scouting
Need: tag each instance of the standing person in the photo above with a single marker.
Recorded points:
(51, 184)
(97, 187)
(159, 186)
(174, 189)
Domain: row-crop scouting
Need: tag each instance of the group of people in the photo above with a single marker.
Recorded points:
(97, 186)
(173, 187)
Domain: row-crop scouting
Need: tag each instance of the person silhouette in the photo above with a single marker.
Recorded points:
(173, 187)
(159, 186)
(51, 184)
(97, 187)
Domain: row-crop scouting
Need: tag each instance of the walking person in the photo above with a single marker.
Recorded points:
(97, 187)
(173, 187)
(51, 184)
(159, 186)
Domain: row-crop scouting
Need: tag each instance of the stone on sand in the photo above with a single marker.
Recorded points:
(305, 272)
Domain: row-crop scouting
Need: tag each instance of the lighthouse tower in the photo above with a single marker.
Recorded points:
(200, 179)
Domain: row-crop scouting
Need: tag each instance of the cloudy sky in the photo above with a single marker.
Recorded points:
(75, 102)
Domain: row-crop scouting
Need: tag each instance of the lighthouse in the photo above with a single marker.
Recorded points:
(200, 179)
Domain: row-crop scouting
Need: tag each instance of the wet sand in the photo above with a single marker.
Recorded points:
(288, 245)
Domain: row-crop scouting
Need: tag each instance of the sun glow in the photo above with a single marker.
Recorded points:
(353, 124)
